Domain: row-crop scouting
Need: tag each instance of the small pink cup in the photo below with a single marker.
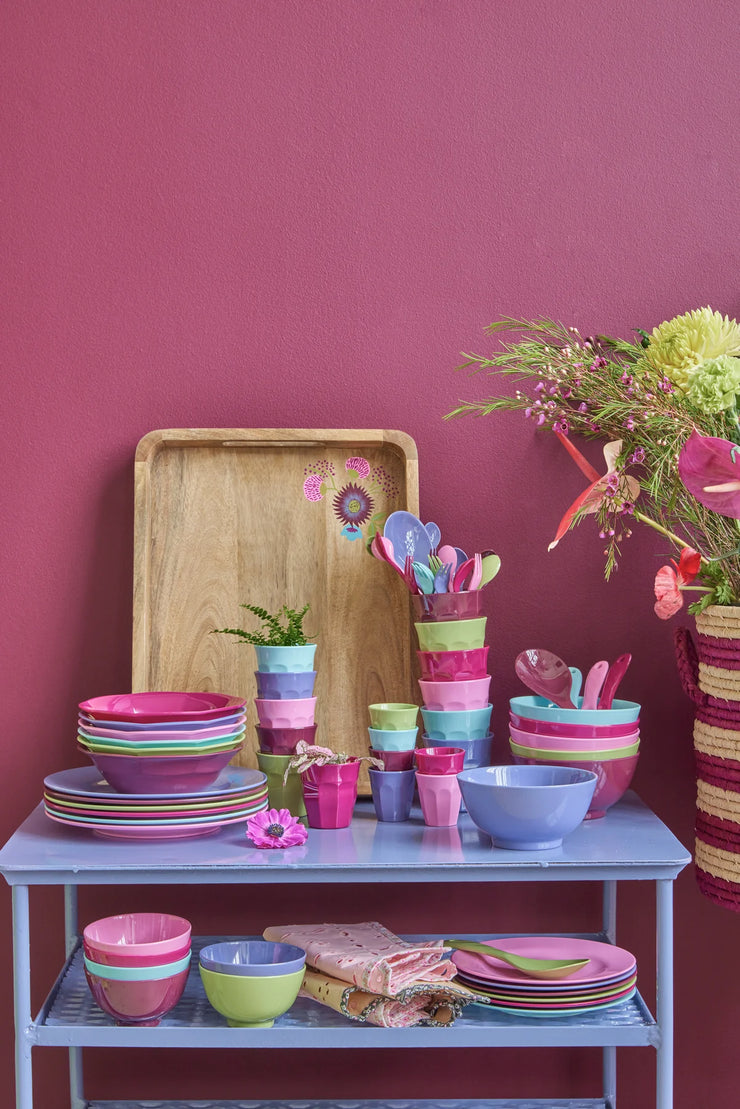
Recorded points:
(439, 760)
(440, 799)
(453, 666)
(297, 713)
(394, 760)
(455, 696)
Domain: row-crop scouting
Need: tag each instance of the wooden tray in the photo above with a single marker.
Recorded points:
(221, 518)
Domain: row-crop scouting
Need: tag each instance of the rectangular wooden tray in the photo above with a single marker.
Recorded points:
(221, 518)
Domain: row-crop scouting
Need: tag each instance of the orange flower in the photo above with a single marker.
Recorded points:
(669, 582)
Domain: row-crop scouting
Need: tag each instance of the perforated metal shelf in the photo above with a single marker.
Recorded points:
(547, 1103)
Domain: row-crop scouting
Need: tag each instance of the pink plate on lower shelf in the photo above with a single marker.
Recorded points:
(604, 959)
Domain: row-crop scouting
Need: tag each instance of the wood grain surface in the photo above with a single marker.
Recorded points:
(220, 519)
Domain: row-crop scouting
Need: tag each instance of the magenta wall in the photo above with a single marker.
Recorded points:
(297, 213)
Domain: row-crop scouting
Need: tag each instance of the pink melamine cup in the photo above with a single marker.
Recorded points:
(453, 666)
(439, 760)
(455, 696)
(297, 713)
(440, 798)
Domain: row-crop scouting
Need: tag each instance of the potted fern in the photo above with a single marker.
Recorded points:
(281, 644)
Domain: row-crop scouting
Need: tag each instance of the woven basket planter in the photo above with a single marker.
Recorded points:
(710, 673)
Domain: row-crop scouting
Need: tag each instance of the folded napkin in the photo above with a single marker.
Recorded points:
(367, 955)
(420, 1003)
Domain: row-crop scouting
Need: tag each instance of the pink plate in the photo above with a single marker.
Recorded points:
(158, 706)
(159, 831)
(552, 991)
(77, 804)
(605, 959)
(174, 736)
(587, 731)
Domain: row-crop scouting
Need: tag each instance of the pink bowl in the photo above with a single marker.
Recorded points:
(395, 760)
(137, 1002)
(571, 743)
(612, 779)
(296, 713)
(282, 741)
(586, 731)
(137, 934)
(162, 705)
(161, 773)
(453, 666)
(440, 760)
(124, 958)
(455, 696)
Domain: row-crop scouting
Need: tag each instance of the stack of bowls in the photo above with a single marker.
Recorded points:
(252, 982)
(136, 964)
(604, 741)
(286, 713)
(161, 742)
(393, 731)
(454, 683)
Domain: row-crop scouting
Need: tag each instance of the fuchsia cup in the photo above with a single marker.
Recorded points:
(447, 606)
(395, 760)
(297, 713)
(439, 760)
(613, 778)
(329, 794)
(456, 696)
(282, 741)
(453, 666)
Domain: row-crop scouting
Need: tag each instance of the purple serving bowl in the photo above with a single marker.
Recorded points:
(161, 773)
(453, 666)
(282, 741)
(285, 685)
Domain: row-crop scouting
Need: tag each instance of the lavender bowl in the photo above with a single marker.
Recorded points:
(161, 774)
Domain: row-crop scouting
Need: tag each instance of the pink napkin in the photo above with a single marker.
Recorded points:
(367, 955)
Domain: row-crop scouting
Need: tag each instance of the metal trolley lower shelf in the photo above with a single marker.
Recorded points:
(538, 1103)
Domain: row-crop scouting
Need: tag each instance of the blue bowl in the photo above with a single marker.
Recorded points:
(460, 724)
(477, 751)
(284, 685)
(527, 808)
(539, 708)
(252, 958)
(387, 740)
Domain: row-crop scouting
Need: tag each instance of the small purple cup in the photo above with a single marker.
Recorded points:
(393, 793)
(285, 685)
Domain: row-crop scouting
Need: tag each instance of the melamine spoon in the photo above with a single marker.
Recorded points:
(593, 683)
(617, 670)
(535, 968)
(545, 674)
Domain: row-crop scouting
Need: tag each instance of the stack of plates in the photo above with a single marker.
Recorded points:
(82, 799)
(608, 978)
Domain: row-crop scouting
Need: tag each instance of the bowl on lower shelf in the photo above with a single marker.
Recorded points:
(251, 1001)
(143, 1002)
(527, 808)
(132, 938)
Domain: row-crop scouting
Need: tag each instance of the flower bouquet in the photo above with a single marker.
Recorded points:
(666, 407)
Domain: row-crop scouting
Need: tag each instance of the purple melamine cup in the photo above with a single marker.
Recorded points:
(393, 793)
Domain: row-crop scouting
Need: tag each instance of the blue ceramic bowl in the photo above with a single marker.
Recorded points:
(382, 740)
(272, 660)
(527, 808)
(282, 685)
(539, 708)
(252, 958)
(454, 726)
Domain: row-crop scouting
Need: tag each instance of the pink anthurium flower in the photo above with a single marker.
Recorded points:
(710, 470)
(670, 580)
(591, 498)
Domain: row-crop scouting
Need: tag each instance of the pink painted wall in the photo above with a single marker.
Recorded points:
(298, 213)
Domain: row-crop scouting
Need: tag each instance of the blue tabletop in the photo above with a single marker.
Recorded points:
(629, 842)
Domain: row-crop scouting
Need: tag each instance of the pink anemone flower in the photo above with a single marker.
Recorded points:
(710, 470)
(361, 466)
(275, 828)
(591, 498)
(670, 580)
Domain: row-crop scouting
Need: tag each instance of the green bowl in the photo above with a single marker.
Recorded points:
(251, 1002)
(451, 635)
(574, 756)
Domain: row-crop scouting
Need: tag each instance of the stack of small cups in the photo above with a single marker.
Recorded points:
(454, 683)
(286, 713)
(393, 733)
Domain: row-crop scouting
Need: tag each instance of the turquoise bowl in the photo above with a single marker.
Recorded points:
(539, 708)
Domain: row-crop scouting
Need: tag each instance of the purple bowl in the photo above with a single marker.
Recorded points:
(453, 666)
(613, 778)
(282, 741)
(446, 606)
(285, 685)
(161, 773)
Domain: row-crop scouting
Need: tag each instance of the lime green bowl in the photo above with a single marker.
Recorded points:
(251, 1002)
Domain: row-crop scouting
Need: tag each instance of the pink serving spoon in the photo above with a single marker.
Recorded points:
(593, 683)
(617, 670)
(545, 674)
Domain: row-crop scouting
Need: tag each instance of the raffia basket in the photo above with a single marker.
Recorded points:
(710, 673)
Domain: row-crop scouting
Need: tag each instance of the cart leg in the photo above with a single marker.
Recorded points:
(664, 994)
(609, 1054)
(71, 933)
(22, 999)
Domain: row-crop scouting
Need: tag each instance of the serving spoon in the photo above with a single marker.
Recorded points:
(545, 674)
(547, 969)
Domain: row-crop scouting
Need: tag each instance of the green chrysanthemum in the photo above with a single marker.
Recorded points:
(680, 346)
(714, 385)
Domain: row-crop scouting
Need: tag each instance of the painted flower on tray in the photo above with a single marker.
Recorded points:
(671, 580)
(275, 828)
(354, 502)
